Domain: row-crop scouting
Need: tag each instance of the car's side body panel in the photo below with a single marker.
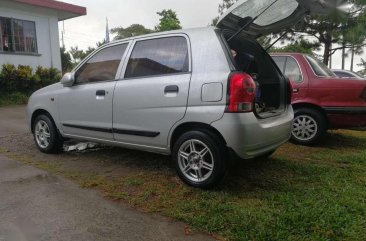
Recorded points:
(145, 108)
(136, 112)
(339, 98)
(46, 101)
(210, 65)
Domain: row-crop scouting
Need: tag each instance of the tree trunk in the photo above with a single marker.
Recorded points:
(343, 54)
(331, 58)
(326, 52)
(352, 56)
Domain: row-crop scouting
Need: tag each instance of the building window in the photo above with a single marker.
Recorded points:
(17, 36)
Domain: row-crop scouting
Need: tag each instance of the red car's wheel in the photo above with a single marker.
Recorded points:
(309, 125)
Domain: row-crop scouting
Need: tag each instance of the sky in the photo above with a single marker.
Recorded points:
(87, 30)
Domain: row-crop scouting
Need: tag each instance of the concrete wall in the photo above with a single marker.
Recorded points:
(47, 35)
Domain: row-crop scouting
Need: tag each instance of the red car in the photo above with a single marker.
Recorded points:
(321, 100)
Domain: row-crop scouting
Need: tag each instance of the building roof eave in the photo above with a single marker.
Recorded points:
(64, 10)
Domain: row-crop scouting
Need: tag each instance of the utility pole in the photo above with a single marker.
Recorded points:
(62, 34)
(107, 39)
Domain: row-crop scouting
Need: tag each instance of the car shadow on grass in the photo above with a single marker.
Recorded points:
(336, 140)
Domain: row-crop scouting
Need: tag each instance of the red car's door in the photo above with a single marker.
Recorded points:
(290, 67)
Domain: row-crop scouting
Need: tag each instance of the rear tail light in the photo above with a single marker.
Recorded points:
(363, 94)
(242, 93)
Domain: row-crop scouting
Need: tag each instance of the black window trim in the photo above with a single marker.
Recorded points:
(36, 53)
(81, 64)
(138, 39)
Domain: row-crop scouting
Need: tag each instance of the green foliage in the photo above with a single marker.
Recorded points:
(131, 31)
(66, 62)
(15, 98)
(76, 54)
(46, 76)
(168, 21)
(301, 46)
(8, 81)
(363, 65)
(22, 79)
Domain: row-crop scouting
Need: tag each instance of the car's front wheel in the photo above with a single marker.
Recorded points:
(46, 135)
(308, 126)
(199, 159)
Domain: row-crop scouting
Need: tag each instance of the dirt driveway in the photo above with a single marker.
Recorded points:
(36, 205)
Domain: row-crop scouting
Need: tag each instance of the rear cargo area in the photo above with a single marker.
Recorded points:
(248, 56)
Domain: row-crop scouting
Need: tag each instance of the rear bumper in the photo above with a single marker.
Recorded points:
(346, 117)
(250, 137)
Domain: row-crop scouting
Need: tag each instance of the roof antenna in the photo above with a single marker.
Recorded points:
(250, 22)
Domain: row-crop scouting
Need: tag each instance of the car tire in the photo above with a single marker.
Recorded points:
(199, 159)
(46, 135)
(308, 126)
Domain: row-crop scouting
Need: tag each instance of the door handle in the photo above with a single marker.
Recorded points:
(171, 89)
(295, 90)
(100, 93)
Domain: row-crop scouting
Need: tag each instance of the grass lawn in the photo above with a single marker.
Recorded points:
(13, 99)
(301, 193)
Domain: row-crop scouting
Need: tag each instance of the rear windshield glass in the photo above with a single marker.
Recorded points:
(280, 10)
(344, 74)
(320, 69)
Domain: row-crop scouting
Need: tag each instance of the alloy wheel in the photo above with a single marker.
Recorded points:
(304, 128)
(42, 134)
(195, 160)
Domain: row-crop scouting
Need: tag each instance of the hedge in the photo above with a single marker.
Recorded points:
(23, 79)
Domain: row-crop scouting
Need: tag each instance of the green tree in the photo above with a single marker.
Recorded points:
(363, 65)
(337, 28)
(131, 31)
(168, 21)
(66, 62)
(77, 54)
(301, 46)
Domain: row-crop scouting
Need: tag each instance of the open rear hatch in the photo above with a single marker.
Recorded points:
(272, 16)
(248, 20)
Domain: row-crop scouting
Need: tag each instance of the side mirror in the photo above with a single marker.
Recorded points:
(68, 79)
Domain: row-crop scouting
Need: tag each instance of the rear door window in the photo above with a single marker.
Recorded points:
(102, 66)
(158, 57)
(280, 61)
(292, 70)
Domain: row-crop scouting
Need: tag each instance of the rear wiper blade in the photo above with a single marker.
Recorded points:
(250, 22)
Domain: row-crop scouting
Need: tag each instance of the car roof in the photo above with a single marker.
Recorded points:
(188, 32)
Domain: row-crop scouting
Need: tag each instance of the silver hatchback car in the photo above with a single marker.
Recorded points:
(197, 94)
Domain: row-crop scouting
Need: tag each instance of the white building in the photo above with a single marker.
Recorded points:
(29, 31)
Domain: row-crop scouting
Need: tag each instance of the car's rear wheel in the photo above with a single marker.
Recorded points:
(199, 159)
(46, 135)
(308, 126)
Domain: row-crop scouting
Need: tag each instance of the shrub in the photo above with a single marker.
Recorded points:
(9, 78)
(15, 98)
(22, 79)
(47, 76)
